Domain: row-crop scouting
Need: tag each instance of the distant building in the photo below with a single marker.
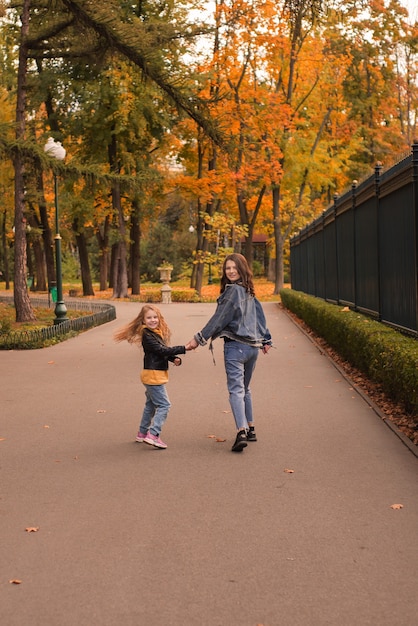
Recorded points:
(260, 250)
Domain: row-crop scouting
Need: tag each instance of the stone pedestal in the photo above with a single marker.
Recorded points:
(165, 276)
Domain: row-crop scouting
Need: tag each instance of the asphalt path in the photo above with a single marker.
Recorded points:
(297, 530)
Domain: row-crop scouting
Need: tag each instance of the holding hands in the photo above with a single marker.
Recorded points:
(192, 344)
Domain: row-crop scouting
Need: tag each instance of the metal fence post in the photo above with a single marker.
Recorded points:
(415, 201)
(355, 260)
(377, 172)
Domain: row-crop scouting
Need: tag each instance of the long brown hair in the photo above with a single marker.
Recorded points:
(133, 331)
(244, 271)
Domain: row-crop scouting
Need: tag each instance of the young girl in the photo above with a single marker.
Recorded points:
(150, 329)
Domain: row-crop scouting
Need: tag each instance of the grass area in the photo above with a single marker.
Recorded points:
(44, 317)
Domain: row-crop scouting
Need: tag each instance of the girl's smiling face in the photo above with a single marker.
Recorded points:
(231, 271)
(151, 320)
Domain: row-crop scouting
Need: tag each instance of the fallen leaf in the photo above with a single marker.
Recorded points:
(289, 471)
(226, 411)
(2, 438)
(51, 362)
(32, 529)
(101, 411)
(396, 506)
(346, 308)
(46, 426)
(15, 581)
(211, 436)
(219, 439)
(76, 458)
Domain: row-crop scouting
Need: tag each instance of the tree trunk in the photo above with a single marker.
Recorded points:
(135, 255)
(29, 265)
(24, 310)
(196, 280)
(103, 241)
(84, 260)
(6, 274)
(38, 273)
(46, 233)
(202, 245)
(120, 272)
(36, 269)
(278, 241)
(120, 278)
(113, 255)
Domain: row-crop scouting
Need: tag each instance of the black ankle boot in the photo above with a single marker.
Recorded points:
(251, 436)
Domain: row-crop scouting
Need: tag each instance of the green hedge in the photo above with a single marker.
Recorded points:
(177, 295)
(386, 356)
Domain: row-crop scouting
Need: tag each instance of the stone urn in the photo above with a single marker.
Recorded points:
(165, 276)
(165, 273)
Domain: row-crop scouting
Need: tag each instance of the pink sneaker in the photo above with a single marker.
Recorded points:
(155, 441)
(140, 437)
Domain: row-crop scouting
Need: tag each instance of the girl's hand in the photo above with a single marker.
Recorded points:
(177, 361)
(192, 345)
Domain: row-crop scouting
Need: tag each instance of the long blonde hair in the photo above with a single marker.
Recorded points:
(133, 331)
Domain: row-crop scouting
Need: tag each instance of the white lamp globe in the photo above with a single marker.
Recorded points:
(55, 149)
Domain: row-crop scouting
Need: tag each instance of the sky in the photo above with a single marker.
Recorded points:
(412, 6)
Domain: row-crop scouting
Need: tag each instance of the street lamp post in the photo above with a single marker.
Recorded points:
(57, 151)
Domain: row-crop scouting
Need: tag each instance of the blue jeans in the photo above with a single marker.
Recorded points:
(240, 361)
(157, 406)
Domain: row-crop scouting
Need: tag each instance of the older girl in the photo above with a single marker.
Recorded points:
(239, 319)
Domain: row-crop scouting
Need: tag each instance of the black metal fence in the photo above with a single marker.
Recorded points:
(363, 250)
(98, 313)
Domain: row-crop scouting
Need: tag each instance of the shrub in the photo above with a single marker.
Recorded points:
(185, 295)
(386, 356)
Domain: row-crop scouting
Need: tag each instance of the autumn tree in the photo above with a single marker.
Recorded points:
(24, 310)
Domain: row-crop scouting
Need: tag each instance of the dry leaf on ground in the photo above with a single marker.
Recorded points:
(396, 506)
(289, 471)
(32, 529)
(15, 581)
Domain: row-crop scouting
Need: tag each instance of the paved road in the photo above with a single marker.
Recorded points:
(196, 535)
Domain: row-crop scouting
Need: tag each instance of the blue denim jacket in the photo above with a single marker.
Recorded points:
(239, 316)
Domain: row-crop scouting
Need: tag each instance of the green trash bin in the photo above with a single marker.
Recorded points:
(53, 291)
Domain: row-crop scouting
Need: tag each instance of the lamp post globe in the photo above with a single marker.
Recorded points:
(57, 151)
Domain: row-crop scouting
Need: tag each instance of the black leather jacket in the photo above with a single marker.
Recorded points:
(156, 353)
